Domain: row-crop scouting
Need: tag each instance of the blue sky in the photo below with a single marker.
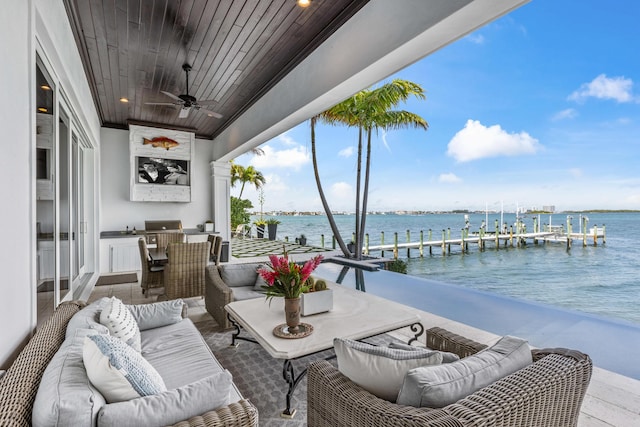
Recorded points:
(540, 107)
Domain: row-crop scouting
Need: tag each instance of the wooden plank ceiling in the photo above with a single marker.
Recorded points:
(238, 49)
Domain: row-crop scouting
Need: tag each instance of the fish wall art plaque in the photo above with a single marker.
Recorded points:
(161, 142)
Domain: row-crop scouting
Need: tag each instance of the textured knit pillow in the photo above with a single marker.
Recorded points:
(117, 371)
(117, 317)
(379, 370)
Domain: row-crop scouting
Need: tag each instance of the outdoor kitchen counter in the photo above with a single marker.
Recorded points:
(123, 234)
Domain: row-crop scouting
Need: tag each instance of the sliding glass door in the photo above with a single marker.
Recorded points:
(61, 196)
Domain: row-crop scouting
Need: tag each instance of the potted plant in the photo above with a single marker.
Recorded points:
(302, 240)
(288, 280)
(318, 298)
(272, 226)
(351, 246)
(260, 227)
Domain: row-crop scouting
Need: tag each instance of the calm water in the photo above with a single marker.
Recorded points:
(601, 280)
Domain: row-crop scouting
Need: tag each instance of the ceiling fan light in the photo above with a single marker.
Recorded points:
(124, 100)
(45, 87)
(304, 3)
(42, 110)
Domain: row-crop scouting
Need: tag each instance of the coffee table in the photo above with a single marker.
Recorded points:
(356, 315)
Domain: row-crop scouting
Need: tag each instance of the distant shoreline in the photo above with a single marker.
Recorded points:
(456, 211)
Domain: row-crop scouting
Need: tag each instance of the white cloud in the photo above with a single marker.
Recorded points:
(340, 191)
(384, 140)
(576, 172)
(603, 87)
(449, 178)
(292, 158)
(477, 141)
(286, 139)
(634, 199)
(476, 38)
(346, 152)
(569, 113)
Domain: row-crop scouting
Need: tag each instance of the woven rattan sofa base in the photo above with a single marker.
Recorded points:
(549, 392)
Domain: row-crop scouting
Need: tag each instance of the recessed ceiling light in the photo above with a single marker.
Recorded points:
(304, 3)
(42, 109)
(45, 87)
(124, 100)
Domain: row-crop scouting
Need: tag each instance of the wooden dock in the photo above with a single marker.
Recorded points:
(513, 236)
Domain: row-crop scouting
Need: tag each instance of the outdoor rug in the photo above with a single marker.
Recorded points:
(116, 279)
(258, 376)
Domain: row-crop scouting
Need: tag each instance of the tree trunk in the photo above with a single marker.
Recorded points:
(365, 193)
(358, 176)
(323, 199)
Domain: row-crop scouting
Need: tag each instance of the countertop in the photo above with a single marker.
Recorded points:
(123, 234)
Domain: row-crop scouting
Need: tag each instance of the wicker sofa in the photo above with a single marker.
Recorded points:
(19, 386)
(549, 392)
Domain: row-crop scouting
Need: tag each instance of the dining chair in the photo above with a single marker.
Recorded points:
(216, 248)
(163, 239)
(152, 275)
(184, 273)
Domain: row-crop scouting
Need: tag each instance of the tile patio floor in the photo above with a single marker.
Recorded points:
(611, 400)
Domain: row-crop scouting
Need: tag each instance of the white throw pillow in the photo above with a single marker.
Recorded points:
(379, 370)
(157, 314)
(117, 317)
(119, 372)
(439, 386)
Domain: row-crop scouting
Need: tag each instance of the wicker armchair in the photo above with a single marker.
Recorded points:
(152, 275)
(184, 273)
(548, 392)
(217, 295)
(163, 239)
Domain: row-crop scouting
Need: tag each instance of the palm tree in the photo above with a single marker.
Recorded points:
(323, 199)
(246, 175)
(369, 110)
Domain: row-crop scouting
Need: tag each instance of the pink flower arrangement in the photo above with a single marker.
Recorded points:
(286, 278)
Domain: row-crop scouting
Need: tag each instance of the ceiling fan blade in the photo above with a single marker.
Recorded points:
(184, 112)
(172, 104)
(207, 102)
(170, 95)
(210, 113)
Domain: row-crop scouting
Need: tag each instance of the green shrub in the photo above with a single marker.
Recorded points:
(397, 265)
(239, 214)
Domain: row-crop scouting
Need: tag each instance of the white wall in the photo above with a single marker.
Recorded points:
(117, 212)
(17, 301)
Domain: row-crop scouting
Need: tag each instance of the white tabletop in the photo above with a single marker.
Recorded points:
(355, 315)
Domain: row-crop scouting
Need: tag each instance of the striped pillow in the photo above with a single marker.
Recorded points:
(119, 372)
(121, 323)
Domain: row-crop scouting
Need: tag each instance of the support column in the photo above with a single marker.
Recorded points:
(220, 198)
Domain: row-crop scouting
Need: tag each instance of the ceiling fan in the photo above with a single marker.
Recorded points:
(187, 102)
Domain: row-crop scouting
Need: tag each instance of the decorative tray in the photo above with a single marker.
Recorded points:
(282, 331)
